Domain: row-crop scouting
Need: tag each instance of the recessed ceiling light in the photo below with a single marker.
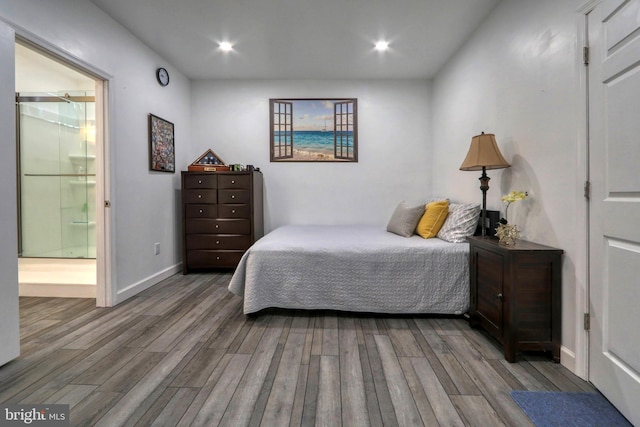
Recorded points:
(382, 45)
(226, 46)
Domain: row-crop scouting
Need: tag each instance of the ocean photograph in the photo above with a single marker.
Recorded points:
(313, 130)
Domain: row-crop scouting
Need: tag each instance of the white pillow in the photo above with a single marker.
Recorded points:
(404, 219)
(460, 223)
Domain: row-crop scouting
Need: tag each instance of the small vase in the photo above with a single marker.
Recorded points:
(507, 234)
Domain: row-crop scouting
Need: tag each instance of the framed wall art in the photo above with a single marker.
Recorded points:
(313, 129)
(161, 145)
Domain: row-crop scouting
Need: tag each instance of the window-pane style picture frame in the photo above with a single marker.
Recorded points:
(161, 145)
(313, 129)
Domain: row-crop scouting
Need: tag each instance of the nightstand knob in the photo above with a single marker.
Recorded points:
(233, 182)
(499, 296)
(217, 242)
(200, 210)
(233, 197)
(233, 211)
(218, 258)
(199, 181)
(217, 226)
(199, 196)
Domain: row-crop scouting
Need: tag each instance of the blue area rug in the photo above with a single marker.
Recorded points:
(551, 409)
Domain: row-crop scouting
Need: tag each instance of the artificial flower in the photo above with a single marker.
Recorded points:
(512, 197)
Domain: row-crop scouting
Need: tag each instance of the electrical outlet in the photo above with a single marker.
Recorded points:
(156, 248)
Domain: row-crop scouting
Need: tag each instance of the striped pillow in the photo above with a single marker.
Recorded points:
(460, 223)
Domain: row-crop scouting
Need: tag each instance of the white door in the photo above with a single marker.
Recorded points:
(9, 315)
(614, 122)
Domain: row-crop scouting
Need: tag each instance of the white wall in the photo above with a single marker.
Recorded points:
(145, 205)
(9, 328)
(519, 77)
(231, 117)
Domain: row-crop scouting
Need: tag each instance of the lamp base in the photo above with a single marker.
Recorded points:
(484, 186)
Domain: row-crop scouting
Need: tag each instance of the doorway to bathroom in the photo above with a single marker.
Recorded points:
(56, 166)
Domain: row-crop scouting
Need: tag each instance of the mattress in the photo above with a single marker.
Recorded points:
(353, 268)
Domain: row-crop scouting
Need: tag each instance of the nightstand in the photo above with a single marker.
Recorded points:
(516, 294)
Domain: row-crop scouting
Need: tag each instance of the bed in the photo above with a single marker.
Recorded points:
(355, 268)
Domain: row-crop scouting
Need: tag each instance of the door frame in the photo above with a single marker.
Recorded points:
(583, 230)
(105, 288)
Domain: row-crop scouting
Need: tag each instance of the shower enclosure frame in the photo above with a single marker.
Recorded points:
(80, 177)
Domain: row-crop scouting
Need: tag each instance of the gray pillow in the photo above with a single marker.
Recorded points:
(404, 219)
(460, 223)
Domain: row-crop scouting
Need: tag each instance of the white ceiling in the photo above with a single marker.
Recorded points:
(302, 39)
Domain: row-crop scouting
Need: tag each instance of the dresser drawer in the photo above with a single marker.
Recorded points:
(200, 196)
(201, 211)
(218, 226)
(213, 259)
(234, 211)
(234, 181)
(201, 181)
(234, 196)
(218, 241)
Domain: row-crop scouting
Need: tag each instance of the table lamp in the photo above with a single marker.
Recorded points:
(484, 154)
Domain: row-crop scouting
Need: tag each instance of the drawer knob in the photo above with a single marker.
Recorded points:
(217, 242)
(200, 210)
(199, 181)
(233, 181)
(499, 296)
(233, 211)
(233, 196)
(217, 226)
(199, 196)
(218, 258)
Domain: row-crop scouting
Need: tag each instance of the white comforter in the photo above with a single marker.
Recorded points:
(353, 268)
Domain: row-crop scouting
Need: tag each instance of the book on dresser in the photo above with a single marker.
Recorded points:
(222, 216)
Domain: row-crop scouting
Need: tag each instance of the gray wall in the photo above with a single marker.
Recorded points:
(519, 77)
(145, 205)
(394, 156)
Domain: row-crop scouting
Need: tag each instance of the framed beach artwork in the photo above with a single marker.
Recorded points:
(314, 129)
(161, 145)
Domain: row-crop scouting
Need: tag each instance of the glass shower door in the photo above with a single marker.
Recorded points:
(56, 146)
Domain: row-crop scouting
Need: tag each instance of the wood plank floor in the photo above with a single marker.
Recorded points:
(182, 353)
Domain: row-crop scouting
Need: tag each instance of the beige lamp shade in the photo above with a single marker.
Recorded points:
(484, 153)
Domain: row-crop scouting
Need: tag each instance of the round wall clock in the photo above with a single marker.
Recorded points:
(163, 76)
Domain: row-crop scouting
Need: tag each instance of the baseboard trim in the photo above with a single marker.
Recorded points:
(136, 288)
(56, 290)
(568, 359)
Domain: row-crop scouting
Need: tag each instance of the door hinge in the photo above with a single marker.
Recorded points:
(587, 322)
(585, 55)
(107, 204)
(587, 190)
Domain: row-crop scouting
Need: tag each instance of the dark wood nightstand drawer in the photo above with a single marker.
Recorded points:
(201, 211)
(234, 211)
(201, 181)
(218, 226)
(234, 181)
(213, 259)
(218, 241)
(234, 196)
(200, 196)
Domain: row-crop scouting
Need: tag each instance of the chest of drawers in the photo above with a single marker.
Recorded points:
(221, 217)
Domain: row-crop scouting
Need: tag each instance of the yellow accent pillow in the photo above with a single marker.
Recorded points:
(434, 215)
